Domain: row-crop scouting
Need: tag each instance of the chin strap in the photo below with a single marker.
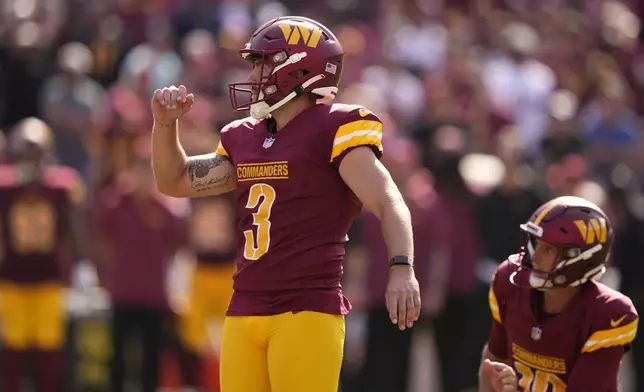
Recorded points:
(595, 273)
(261, 110)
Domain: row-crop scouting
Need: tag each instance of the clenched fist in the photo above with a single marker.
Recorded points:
(170, 103)
(502, 376)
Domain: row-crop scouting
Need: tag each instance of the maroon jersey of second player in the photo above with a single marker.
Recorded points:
(544, 352)
(36, 223)
(294, 208)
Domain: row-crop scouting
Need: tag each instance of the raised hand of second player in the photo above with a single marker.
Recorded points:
(502, 377)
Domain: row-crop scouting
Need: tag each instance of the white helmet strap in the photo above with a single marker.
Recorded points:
(262, 109)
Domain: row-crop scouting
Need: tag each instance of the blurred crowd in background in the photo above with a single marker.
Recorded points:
(490, 108)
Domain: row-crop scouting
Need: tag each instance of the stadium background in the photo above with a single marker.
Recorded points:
(490, 107)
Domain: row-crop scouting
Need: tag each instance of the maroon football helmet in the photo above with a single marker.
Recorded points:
(583, 236)
(29, 146)
(302, 55)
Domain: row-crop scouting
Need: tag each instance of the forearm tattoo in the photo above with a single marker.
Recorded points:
(199, 169)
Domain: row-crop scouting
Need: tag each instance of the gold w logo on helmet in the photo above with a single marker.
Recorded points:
(593, 231)
(311, 37)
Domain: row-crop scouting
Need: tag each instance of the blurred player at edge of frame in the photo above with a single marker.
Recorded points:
(301, 171)
(554, 324)
(39, 206)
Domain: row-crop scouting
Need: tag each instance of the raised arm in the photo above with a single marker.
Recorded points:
(176, 174)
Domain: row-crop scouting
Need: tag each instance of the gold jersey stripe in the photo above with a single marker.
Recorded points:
(221, 150)
(611, 337)
(357, 133)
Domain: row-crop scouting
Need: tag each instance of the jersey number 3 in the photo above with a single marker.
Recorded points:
(538, 380)
(262, 197)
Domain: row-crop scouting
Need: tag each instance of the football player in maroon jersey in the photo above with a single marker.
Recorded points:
(301, 171)
(558, 327)
(38, 215)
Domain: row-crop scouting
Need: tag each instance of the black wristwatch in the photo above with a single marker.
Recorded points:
(400, 260)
